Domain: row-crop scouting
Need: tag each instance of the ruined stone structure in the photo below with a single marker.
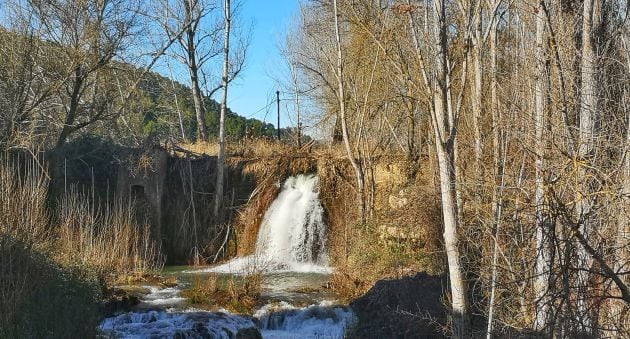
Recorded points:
(144, 183)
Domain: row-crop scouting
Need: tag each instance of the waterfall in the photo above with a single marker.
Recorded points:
(293, 229)
(292, 235)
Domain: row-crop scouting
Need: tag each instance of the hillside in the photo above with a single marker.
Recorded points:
(163, 97)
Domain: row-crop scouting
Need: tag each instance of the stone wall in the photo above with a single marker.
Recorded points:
(143, 180)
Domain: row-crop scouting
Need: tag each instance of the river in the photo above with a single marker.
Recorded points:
(292, 257)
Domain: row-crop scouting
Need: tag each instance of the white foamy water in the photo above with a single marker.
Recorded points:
(163, 296)
(168, 324)
(284, 321)
(292, 236)
(274, 321)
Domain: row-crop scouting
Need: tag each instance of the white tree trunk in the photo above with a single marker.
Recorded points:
(588, 112)
(543, 258)
(445, 134)
(218, 201)
(477, 103)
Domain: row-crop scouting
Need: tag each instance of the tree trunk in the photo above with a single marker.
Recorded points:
(497, 197)
(477, 105)
(587, 135)
(358, 171)
(543, 248)
(179, 111)
(622, 234)
(621, 251)
(193, 69)
(218, 201)
(445, 134)
(71, 115)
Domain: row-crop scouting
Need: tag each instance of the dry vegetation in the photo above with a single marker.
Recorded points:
(401, 238)
(240, 294)
(53, 269)
(108, 241)
(246, 148)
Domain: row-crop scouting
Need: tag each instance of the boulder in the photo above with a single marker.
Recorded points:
(409, 307)
(248, 333)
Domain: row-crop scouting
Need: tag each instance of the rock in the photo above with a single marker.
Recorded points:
(412, 234)
(410, 307)
(248, 333)
(397, 202)
(120, 300)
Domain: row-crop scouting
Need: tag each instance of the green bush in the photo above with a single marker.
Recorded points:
(39, 299)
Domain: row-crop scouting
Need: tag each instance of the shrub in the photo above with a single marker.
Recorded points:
(203, 289)
(372, 257)
(244, 296)
(237, 294)
(40, 299)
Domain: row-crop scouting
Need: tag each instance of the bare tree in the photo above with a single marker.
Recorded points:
(586, 147)
(445, 132)
(543, 229)
(25, 83)
(199, 46)
(88, 36)
(341, 96)
(218, 202)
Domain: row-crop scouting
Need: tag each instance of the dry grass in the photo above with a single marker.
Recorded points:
(250, 148)
(203, 290)
(202, 147)
(244, 296)
(23, 213)
(38, 296)
(239, 294)
(109, 242)
(106, 242)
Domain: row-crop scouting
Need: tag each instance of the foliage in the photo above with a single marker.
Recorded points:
(392, 258)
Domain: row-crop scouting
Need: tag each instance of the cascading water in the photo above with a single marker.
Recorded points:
(290, 250)
(293, 229)
(292, 236)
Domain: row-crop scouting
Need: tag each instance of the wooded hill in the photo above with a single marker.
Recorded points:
(39, 95)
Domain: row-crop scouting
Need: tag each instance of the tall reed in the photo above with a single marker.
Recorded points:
(23, 213)
(106, 240)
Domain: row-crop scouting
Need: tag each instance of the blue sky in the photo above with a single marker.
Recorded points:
(249, 95)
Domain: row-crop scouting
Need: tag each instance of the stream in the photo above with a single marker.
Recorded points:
(295, 305)
(292, 256)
